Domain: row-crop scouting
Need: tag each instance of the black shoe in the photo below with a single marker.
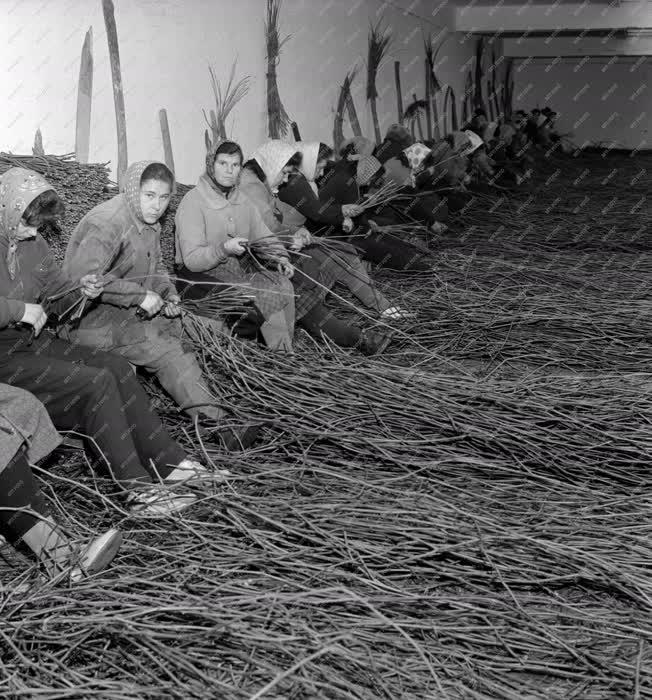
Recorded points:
(236, 439)
(374, 342)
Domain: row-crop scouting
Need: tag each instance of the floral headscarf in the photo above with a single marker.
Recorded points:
(131, 186)
(19, 187)
(272, 157)
(416, 154)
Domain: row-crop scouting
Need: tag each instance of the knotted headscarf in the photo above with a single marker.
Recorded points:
(399, 134)
(368, 166)
(388, 149)
(19, 187)
(361, 145)
(209, 174)
(310, 157)
(416, 154)
(272, 157)
(131, 186)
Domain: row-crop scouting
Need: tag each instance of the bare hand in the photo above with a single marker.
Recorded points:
(286, 268)
(301, 239)
(34, 316)
(347, 225)
(351, 210)
(91, 286)
(152, 303)
(438, 227)
(235, 246)
(172, 308)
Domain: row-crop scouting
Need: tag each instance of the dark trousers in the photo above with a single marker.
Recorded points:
(199, 285)
(390, 251)
(19, 494)
(95, 394)
(321, 321)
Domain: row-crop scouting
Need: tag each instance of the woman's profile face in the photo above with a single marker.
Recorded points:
(319, 170)
(227, 168)
(283, 176)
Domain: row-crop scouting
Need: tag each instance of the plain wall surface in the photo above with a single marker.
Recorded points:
(600, 99)
(165, 49)
(532, 15)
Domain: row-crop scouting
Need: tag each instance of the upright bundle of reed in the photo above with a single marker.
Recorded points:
(225, 101)
(277, 118)
(342, 102)
(433, 86)
(380, 39)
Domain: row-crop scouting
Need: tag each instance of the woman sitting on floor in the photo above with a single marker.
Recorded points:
(319, 265)
(90, 392)
(220, 236)
(299, 205)
(26, 437)
(410, 205)
(344, 184)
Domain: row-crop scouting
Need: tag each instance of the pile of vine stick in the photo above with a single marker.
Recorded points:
(467, 516)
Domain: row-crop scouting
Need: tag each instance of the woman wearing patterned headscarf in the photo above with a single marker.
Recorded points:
(137, 315)
(92, 393)
(218, 228)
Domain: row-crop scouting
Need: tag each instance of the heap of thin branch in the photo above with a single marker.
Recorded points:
(467, 516)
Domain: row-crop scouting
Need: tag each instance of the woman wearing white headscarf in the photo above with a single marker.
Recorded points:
(318, 268)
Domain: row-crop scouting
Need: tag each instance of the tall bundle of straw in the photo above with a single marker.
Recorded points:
(450, 105)
(433, 86)
(380, 39)
(342, 102)
(508, 88)
(225, 101)
(277, 118)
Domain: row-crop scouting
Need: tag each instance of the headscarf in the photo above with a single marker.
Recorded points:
(272, 157)
(465, 142)
(209, 174)
(399, 134)
(388, 149)
(19, 187)
(416, 154)
(361, 145)
(489, 131)
(368, 166)
(310, 157)
(506, 133)
(131, 185)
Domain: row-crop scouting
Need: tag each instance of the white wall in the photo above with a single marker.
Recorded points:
(599, 98)
(165, 47)
(526, 15)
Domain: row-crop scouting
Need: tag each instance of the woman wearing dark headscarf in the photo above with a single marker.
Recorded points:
(298, 202)
(216, 226)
